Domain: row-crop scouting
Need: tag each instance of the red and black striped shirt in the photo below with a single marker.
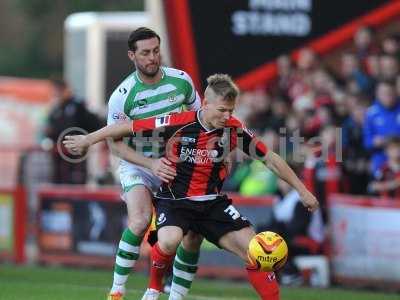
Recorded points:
(198, 153)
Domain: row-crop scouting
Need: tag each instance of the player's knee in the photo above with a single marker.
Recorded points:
(169, 240)
(236, 242)
(138, 225)
(192, 241)
(240, 250)
(168, 247)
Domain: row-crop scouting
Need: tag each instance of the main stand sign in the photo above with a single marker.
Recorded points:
(238, 37)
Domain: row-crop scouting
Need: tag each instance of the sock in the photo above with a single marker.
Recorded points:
(160, 263)
(184, 270)
(127, 255)
(264, 283)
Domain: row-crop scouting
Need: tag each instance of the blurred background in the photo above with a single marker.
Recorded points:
(320, 83)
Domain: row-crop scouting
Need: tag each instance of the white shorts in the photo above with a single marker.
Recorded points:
(131, 176)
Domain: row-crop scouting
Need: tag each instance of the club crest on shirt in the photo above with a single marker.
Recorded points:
(142, 103)
(171, 97)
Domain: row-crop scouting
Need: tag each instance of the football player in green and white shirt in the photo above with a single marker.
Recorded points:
(152, 90)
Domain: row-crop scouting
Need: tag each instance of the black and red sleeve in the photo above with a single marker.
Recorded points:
(246, 141)
(252, 146)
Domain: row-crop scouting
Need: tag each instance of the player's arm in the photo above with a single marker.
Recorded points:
(258, 150)
(118, 147)
(81, 143)
(279, 166)
(159, 167)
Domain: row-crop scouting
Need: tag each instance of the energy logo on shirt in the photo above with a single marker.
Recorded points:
(198, 156)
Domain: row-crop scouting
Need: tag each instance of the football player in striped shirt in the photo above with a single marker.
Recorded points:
(152, 90)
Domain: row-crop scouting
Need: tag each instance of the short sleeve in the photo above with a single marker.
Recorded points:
(116, 112)
(193, 100)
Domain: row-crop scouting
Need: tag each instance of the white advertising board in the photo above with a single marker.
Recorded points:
(365, 238)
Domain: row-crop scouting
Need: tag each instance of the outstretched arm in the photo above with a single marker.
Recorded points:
(281, 168)
(116, 114)
(81, 143)
(256, 149)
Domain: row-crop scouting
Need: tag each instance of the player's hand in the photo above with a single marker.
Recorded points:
(78, 144)
(163, 169)
(309, 201)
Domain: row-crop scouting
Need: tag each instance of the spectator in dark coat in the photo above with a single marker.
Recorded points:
(355, 156)
(68, 112)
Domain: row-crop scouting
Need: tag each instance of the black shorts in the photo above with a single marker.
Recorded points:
(212, 219)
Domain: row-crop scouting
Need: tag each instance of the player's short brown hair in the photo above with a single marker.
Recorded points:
(142, 33)
(222, 85)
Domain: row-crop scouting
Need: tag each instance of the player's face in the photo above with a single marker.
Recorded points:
(218, 111)
(147, 57)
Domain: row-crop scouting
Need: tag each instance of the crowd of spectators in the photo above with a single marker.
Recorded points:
(336, 126)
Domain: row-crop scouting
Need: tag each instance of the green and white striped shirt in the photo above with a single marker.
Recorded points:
(134, 99)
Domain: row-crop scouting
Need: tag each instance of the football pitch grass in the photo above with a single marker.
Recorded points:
(56, 283)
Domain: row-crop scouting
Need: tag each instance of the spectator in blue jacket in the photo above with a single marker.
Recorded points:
(382, 121)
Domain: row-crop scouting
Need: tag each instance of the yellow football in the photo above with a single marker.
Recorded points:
(267, 251)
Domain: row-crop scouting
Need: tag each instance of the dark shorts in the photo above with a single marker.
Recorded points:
(212, 219)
